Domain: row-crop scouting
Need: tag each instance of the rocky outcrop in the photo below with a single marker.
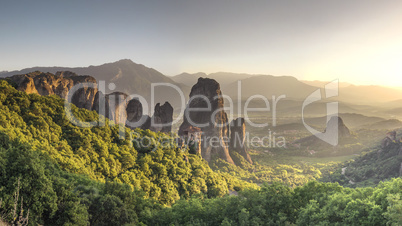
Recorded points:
(336, 125)
(134, 113)
(120, 109)
(147, 123)
(162, 118)
(114, 106)
(60, 84)
(161, 121)
(212, 120)
(335, 132)
(238, 138)
(84, 97)
(389, 139)
(192, 138)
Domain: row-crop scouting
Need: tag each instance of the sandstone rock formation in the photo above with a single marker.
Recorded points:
(60, 84)
(120, 109)
(114, 106)
(134, 113)
(206, 94)
(238, 138)
(162, 118)
(192, 138)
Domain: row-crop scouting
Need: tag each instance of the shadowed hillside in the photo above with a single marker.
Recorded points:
(128, 77)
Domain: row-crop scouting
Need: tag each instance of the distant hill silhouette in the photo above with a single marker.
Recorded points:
(129, 77)
(133, 78)
(224, 78)
(268, 85)
(368, 94)
(351, 119)
(363, 94)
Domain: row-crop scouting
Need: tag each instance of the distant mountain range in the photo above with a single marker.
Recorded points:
(223, 78)
(269, 85)
(128, 77)
(133, 78)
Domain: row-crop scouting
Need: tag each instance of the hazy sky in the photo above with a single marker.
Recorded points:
(355, 41)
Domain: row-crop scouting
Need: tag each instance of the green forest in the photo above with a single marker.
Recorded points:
(55, 173)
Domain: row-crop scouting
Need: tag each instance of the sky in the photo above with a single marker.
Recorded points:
(354, 41)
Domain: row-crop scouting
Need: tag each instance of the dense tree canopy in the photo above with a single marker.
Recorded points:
(164, 172)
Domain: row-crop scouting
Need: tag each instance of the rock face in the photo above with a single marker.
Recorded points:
(192, 137)
(238, 137)
(212, 121)
(114, 106)
(163, 117)
(335, 132)
(343, 131)
(60, 84)
(389, 139)
(134, 113)
(130, 112)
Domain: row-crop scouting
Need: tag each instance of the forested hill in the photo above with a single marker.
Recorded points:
(163, 172)
(377, 164)
(55, 173)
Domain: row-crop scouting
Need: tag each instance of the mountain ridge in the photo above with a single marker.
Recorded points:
(133, 78)
(127, 76)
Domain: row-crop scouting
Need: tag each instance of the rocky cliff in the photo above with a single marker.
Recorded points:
(162, 118)
(115, 106)
(129, 77)
(238, 138)
(389, 139)
(120, 109)
(134, 113)
(212, 120)
(378, 164)
(59, 84)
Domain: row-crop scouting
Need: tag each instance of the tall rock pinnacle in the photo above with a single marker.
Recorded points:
(205, 111)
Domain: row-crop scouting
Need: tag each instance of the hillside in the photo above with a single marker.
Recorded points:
(268, 85)
(368, 94)
(128, 77)
(377, 164)
(165, 173)
(133, 78)
(353, 120)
